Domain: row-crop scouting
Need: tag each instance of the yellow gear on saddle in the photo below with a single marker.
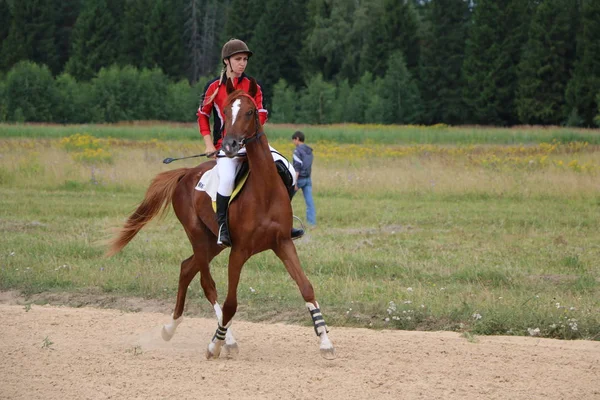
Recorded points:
(236, 190)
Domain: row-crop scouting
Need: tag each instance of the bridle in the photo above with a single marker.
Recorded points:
(258, 133)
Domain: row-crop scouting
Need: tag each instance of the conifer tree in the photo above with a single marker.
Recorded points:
(5, 19)
(276, 45)
(243, 17)
(442, 58)
(95, 40)
(493, 52)
(136, 17)
(66, 16)
(546, 64)
(330, 38)
(392, 25)
(32, 34)
(584, 87)
(164, 38)
(400, 94)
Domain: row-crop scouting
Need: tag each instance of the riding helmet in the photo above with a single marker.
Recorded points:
(234, 46)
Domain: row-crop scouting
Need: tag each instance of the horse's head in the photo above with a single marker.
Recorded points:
(241, 118)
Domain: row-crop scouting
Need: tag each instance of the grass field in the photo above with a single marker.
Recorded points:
(487, 231)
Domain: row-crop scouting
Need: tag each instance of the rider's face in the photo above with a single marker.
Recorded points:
(237, 63)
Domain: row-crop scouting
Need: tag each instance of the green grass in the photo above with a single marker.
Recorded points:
(342, 133)
(481, 251)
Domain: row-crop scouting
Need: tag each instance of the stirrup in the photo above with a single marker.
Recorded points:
(298, 233)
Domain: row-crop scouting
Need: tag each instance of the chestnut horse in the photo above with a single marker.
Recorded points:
(260, 219)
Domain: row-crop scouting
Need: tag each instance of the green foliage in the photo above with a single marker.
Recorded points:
(442, 60)
(546, 63)
(136, 17)
(3, 101)
(597, 119)
(317, 101)
(242, 25)
(72, 100)
(163, 38)
(32, 34)
(95, 38)
(400, 93)
(485, 62)
(331, 42)
(67, 13)
(180, 103)
(126, 94)
(285, 103)
(492, 55)
(277, 43)
(585, 83)
(30, 93)
(356, 104)
(391, 28)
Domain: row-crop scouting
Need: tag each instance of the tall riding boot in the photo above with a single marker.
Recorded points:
(296, 233)
(223, 236)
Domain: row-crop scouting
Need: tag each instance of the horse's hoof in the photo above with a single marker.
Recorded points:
(232, 350)
(328, 353)
(213, 351)
(166, 335)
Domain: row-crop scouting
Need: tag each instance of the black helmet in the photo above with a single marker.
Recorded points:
(234, 46)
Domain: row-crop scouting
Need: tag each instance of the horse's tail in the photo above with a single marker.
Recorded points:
(158, 196)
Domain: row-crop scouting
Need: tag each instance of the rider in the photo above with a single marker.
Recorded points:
(235, 55)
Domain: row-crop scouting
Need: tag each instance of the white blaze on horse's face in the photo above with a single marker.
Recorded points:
(235, 108)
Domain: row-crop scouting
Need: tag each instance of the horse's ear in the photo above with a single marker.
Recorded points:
(229, 87)
(253, 88)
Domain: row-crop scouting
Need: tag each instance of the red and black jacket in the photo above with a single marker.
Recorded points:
(218, 103)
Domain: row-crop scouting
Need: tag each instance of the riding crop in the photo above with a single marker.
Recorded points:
(170, 160)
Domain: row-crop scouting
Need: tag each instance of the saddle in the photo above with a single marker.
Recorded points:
(210, 181)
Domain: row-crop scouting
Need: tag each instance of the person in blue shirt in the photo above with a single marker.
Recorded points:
(303, 159)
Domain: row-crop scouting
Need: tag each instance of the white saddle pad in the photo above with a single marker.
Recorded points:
(209, 183)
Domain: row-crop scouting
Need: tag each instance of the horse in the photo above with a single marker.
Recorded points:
(260, 219)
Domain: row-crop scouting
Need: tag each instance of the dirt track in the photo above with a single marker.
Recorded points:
(107, 354)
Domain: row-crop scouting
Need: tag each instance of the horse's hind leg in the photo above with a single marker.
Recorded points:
(287, 253)
(189, 269)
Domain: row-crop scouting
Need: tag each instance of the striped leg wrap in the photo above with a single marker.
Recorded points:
(318, 321)
(220, 333)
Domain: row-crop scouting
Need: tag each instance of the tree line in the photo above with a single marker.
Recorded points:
(490, 62)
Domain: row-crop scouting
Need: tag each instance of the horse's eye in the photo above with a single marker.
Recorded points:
(250, 112)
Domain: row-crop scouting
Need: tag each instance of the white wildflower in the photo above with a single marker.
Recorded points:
(533, 332)
(409, 289)
(391, 307)
(477, 316)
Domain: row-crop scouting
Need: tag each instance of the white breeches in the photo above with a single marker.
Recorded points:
(227, 168)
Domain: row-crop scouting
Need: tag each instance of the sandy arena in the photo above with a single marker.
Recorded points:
(52, 352)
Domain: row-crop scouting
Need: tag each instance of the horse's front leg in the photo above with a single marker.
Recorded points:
(230, 346)
(236, 262)
(286, 251)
